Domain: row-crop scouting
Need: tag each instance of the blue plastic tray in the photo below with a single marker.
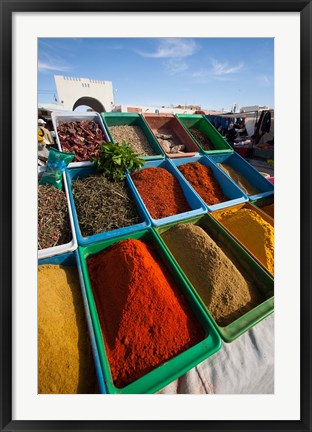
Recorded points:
(73, 259)
(257, 180)
(197, 205)
(229, 188)
(75, 173)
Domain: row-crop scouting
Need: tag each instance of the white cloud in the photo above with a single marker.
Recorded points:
(224, 68)
(115, 47)
(202, 73)
(49, 66)
(176, 66)
(219, 71)
(172, 48)
(265, 80)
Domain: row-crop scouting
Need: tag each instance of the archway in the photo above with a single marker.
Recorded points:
(90, 102)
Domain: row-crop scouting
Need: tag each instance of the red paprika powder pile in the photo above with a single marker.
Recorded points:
(161, 192)
(203, 181)
(144, 318)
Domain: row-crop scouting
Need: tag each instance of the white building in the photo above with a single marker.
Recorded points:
(253, 108)
(74, 92)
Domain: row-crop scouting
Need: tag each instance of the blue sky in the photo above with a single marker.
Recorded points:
(214, 73)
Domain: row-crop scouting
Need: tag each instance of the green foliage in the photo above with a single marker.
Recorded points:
(114, 159)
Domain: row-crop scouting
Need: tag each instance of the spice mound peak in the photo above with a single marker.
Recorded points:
(144, 317)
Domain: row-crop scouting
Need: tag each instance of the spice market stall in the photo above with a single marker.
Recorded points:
(173, 261)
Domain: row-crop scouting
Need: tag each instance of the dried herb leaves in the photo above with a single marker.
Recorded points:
(53, 217)
(102, 205)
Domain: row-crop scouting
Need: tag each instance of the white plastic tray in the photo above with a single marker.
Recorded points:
(67, 116)
(68, 247)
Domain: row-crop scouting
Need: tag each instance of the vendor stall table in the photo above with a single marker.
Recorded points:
(245, 366)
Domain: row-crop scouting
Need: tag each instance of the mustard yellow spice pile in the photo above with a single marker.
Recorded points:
(256, 234)
(65, 362)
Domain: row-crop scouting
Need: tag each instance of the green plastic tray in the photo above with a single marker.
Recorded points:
(177, 366)
(262, 202)
(201, 123)
(248, 266)
(133, 119)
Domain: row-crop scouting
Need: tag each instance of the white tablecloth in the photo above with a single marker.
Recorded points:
(244, 366)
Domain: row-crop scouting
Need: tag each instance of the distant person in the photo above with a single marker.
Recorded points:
(238, 123)
(231, 134)
(45, 133)
(224, 126)
(49, 125)
(240, 127)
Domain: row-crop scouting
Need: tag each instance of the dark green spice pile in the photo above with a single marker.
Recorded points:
(53, 217)
(102, 205)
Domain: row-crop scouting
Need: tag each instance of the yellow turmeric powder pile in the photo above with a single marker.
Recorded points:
(239, 179)
(65, 362)
(252, 231)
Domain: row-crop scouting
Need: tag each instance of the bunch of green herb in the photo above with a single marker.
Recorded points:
(115, 159)
(102, 205)
(53, 217)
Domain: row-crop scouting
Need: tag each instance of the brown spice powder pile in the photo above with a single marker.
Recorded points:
(239, 179)
(161, 192)
(269, 209)
(134, 137)
(65, 362)
(223, 289)
(203, 181)
(202, 139)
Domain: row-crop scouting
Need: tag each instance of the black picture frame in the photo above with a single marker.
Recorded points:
(7, 8)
